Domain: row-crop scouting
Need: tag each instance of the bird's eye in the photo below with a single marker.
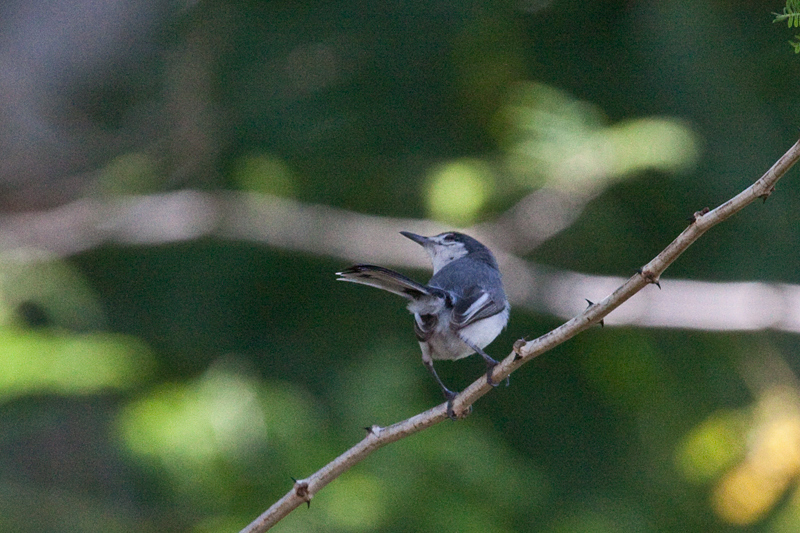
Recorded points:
(448, 237)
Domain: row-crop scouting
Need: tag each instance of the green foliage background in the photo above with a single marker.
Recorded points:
(180, 387)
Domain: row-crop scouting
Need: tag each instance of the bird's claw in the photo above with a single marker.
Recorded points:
(489, 371)
(450, 395)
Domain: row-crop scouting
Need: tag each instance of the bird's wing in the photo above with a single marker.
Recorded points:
(383, 278)
(475, 306)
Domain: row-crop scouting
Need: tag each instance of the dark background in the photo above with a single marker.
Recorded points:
(179, 385)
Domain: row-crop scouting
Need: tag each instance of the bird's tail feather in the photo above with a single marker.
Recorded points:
(383, 278)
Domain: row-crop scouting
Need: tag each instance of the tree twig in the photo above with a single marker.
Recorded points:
(523, 351)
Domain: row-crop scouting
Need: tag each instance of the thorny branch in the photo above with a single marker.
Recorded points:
(525, 351)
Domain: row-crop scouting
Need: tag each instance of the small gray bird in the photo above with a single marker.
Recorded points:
(459, 312)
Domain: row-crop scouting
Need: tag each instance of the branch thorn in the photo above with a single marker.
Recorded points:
(591, 303)
(697, 214)
(767, 194)
(649, 277)
(301, 490)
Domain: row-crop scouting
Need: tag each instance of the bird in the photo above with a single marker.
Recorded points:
(462, 308)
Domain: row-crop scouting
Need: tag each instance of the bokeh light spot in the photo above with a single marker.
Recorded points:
(265, 174)
(457, 191)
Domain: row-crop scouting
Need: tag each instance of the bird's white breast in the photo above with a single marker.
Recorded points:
(446, 344)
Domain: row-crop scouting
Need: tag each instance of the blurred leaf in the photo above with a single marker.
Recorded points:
(458, 190)
(556, 140)
(264, 174)
(35, 362)
(207, 434)
(769, 465)
(712, 446)
(35, 280)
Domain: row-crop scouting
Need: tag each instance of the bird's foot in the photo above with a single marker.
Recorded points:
(489, 369)
(450, 395)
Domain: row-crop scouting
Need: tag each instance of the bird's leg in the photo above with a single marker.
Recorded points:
(490, 364)
(450, 395)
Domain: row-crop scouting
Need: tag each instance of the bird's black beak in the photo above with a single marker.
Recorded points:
(419, 239)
